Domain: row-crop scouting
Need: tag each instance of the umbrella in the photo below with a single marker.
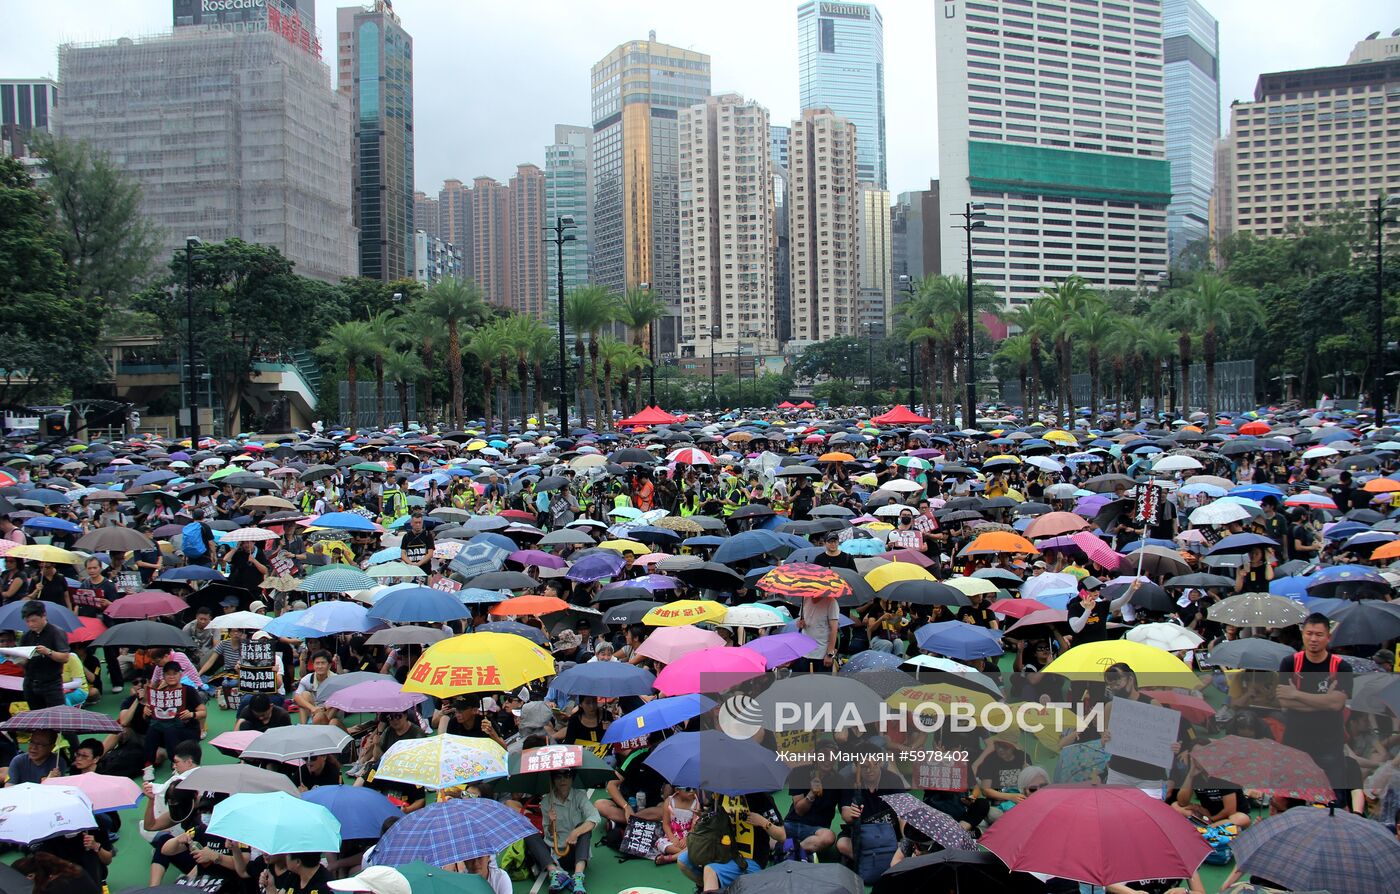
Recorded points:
(243, 620)
(146, 604)
(12, 882)
(1236, 544)
(1263, 763)
(802, 580)
(1082, 762)
(709, 670)
(452, 831)
(60, 617)
(62, 719)
(443, 761)
(935, 824)
(34, 812)
(713, 761)
(515, 628)
(1365, 622)
(407, 636)
(787, 877)
(114, 538)
(478, 662)
(1091, 659)
(683, 612)
(502, 580)
(1052, 524)
(670, 643)
(1328, 850)
(361, 811)
(923, 592)
(344, 521)
(288, 743)
(143, 635)
(956, 639)
(337, 579)
(530, 768)
(1252, 653)
(1346, 581)
(782, 648)
(276, 823)
(370, 696)
(1157, 561)
(1203, 581)
(630, 612)
(657, 714)
(418, 604)
(1257, 610)
(229, 779)
(531, 605)
(107, 793)
(1096, 834)
(958, 871)
(479, 556)
(605, 679)
(1168, 637)
(41, 552)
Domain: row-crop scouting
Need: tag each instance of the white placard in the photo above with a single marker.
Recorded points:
(1142, 731)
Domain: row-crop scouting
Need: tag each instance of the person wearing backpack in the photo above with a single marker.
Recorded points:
(714, 853)
(197, 544)
(1314, 687)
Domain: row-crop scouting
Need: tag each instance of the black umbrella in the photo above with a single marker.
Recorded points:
(752, 510)
(211, 594)
(1148, 596)
(631, 455)
(611, 594)
(503, 580)
(143, 635)
(923, 592)
(711, 576)
(628, 612)
(1105, 484)
(959, 871)
(790, 877)
(1203, 581)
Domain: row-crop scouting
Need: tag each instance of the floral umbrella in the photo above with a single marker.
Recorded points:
(442, 761)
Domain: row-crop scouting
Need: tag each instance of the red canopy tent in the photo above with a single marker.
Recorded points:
(900, 415)
(806, 405)
(650, 416)
(787, 405)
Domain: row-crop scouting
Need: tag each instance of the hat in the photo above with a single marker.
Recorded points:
(376, 880)
(298, 606)
(832, 536)
(229, 602)
(257, 605)
(566, 639)
(534, 717)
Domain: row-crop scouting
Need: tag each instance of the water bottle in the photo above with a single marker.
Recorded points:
(641, 800)
(632, 803)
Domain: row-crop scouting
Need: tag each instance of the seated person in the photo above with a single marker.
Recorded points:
(998, 771)
(639, 791)
(869, 834)
(808, 821)
(568, 818)
(305, 695)
(394, 727)
(1207, 800)
(38, 760)
(262, 715)
(463, 717)
(175, 711)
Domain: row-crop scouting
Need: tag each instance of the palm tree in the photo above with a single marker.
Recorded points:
(388, 330)
(516, 330)
(540, 347)
(424, 331)
(1066, 300)
(1154, 344)
(588, 309)
(454, 304)
(1093, 328)
(488, 345)
(639, 310)
(402, 367)
(1217, 307)
(1016, 351)
(620, 359)
(1035, 322)
(914, 314)
(1179, 316)
(350, 343)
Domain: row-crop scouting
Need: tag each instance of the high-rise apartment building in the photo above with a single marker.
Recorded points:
(875, 261)
(1191, 56)
(568, 192)
(228, 133)
(1051, 116)
(375, 64)
(425, 213)
(841, 59)
(455, 221)
(780, 142)
(1311, 141)
(528, 280)
(728, 231)
(638, 90)
(823, 212)
(27, 105)
(435, 259)
(915, 235)
(491, 238)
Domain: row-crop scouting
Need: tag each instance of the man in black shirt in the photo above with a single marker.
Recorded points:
(417, 545)
(51, 586)
(304, 875)
(43, 671)
(262, 715)
(831, 556)
(1314, 686)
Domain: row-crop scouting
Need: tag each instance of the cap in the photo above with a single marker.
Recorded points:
(567, 639)
(298, 606)
(257, 605)
(832, 537)
(377, 880)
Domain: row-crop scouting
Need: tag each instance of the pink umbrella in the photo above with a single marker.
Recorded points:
(671, 643)
(1043, 616)
(233, 743)
(710, 670)
(781, 648)
(908, 555)
(1053, 524)
(146, 604)
(536, 557)
(105, 792)
(373, 696)
(1096, 550)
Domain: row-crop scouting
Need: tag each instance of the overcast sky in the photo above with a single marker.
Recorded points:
(492, 79)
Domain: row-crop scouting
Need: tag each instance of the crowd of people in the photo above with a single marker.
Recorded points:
(1231, 572)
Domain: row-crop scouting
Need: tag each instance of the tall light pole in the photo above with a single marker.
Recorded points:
(562, 225)
(191, 243)
(971, 214)
(870, 364)
(907, 283)
(651, 348)
(1382, 210)
(714, 395)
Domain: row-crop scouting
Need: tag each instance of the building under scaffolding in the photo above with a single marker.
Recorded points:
(229, 132)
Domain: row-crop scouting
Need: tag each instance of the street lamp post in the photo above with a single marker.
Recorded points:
(972, 220)
(651, 348)
(907, 283)
(1383, 206)
(191, 243)
(562, 225)
(714, 395)
(870, 364)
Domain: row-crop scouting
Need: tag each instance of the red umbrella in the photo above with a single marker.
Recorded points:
(90, 630)
(1192, 707)
(1102, 835)
(1263, 763)
(1257, 427)
(146, 604)
(804, 580)
(1017, 608)
(1096, 550)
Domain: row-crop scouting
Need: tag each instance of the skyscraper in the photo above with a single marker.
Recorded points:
(728, 237)
(568, 192)
(527, 264)
(1191, 51)
(875, 261)
(245, 15)
(491, 239)
(1052, 117)
(780, 142)
(455, 221)
(375, 61)
(26, 105)
(916, 235)
(637, 91)
(823, 212)
(425, 213)
(228, 133)
(841, 56)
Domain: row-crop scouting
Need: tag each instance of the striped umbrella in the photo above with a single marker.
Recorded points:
(248, 535)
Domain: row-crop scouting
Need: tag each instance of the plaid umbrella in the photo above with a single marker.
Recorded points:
(1263, 763)
(63, 719)
(337, 580)
(1320, 849)
(451, 831)
(937, 825)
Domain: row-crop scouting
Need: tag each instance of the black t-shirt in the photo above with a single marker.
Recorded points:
(139, 722)
(416, 546)
(53, 589)
(874, 809)
(279, 717)
(1095, 628)
(329, 774)
(1003, 774)
(86, 595)
(820, 811)
(242, 572)
(591, 737)
(1319, 733)
(290, 883)
(981, 615)
(455, 726)
(638, 776)
(42, 671)
(840, 560)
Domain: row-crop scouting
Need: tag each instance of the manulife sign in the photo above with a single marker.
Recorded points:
(1007, 167)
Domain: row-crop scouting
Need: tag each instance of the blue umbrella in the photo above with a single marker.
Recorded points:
(806, 554)
(959, 640)
(486, 523)
(157, 477)
(704, 540)
(58, 616)
(388, 554)
(657, 714)
(286, 625)
(452, 831)
(713, 761)
(481, 596)
(871, 659)
(605, 679)
(748, 545)
(1292, 587)
(419, 604)
(595, 567)
(1306, 848)
(335, 616)
(1241, 543)
(44, 523)
(1348, 581)
(276, 823)
(862, 546)
(652, 582)
(43, 497)
(533, 634)
(191, 573)
(337, 580)
(1343, 530)
(361, 811)
(344, 521)
(478, 557)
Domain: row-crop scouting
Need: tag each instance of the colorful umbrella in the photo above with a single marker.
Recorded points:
(1263, 764)
(999, 542)
(62, 719)
(1092, 659)
(782, 648)
(531, 605)
(529, 769)
(709, 670)
(107, 793)
(1017, 608)
(801, 580)
(935, 824)
(276, 823)
(478, 662)
(1082, 762)
(452, 831)
(441, 762)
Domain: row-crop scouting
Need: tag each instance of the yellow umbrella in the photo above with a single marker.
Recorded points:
(940, 697)
(868, 479)
(624, 546)
(43, 552)
(882, 577)
(1014, 460)
(478, 444)
(441, 762)
(478, 662)
(1060, 437)
(971, 586)
(1095, 658)
(683, 612)
(878, 526)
